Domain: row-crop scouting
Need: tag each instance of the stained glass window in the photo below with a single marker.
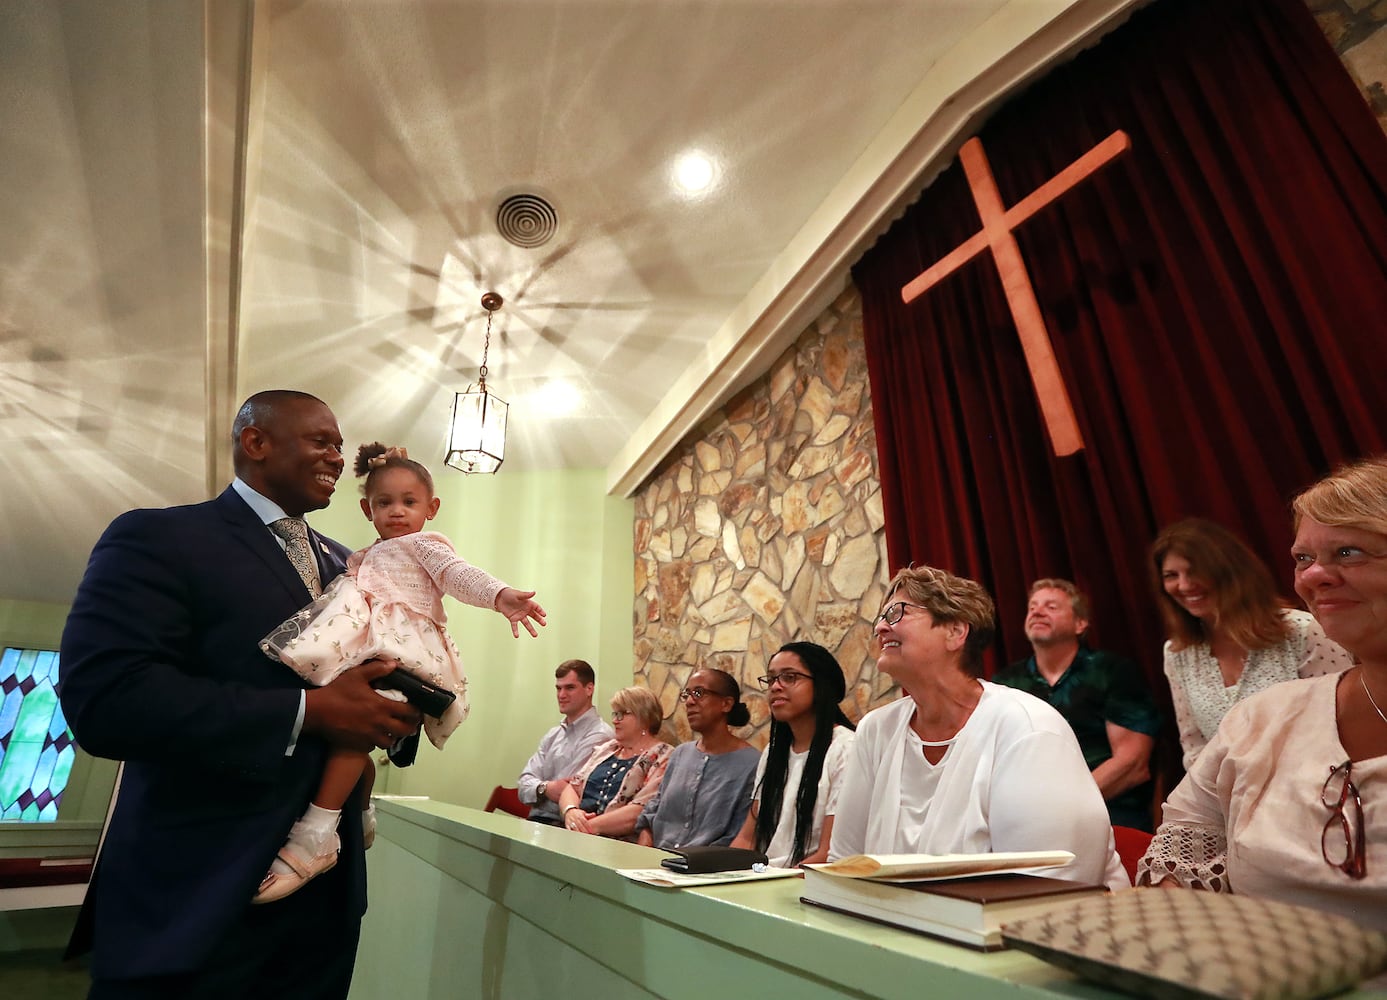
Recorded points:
(36, 747)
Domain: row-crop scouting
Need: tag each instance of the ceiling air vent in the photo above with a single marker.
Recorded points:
(527, 220)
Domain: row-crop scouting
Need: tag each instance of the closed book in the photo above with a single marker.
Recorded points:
(970, 910)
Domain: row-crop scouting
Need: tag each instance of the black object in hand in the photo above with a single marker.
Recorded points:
(429, 698)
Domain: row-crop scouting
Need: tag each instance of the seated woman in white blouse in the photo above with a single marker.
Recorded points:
(1289, 799)
(1229, 635)
(962, 765)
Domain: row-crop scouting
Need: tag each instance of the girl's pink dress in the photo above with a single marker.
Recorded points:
(389, 603)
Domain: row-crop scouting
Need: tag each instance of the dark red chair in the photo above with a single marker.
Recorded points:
(1131, 845)
(507, 800)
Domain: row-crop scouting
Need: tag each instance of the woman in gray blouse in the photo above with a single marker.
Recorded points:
(707, 785)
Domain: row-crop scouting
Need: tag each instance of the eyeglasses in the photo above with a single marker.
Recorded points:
(618, 714)
(698, 694)
(893, 613)
(785, 678)
(1338, 788)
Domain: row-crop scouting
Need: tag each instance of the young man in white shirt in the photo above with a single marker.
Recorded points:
(567, 746)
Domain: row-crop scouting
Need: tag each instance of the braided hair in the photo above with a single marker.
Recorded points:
(829, 690)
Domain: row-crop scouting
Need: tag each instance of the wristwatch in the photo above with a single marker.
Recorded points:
(539, 790)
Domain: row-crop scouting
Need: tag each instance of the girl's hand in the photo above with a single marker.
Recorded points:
(520, 609)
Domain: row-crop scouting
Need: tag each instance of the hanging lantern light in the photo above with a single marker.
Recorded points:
(477, 437)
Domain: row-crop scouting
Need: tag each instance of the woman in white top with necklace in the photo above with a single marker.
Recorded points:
(1289, 799)
(962, 765)
(1228, 633)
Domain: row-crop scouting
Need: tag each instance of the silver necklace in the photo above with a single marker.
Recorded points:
(1371, 700)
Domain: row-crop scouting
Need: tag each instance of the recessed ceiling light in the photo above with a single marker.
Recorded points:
(695, 172)
(557, 398)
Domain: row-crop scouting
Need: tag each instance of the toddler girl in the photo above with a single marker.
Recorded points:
(387, 605)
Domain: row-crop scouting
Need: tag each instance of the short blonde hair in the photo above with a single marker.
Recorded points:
(1353, 496)
(950, 598)
(641, 703)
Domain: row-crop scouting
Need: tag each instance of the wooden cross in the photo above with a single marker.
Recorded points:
(997, 226)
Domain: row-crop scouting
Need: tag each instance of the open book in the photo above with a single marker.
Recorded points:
(923, 867)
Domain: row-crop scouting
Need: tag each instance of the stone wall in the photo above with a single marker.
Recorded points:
(765, 526)
(1358, 31)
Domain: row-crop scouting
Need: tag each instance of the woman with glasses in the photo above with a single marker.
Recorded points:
(962, 766)
(622, 775)
(800, 773)
(707, 785)
(1229, 635)
(1289, 799)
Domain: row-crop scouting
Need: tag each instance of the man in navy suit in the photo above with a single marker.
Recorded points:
(223, 747)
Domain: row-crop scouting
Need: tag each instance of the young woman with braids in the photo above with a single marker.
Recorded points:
(801, 770)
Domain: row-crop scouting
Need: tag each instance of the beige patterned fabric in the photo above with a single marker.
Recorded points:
(294, 531)
(1175, 943)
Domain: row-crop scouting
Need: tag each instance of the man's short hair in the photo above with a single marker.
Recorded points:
(580, 667)
(1077, 598)
(259, 409)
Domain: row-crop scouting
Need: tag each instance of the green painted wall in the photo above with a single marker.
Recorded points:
(554, 532)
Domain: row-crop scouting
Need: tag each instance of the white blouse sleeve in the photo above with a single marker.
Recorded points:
(853, 801)
(1192, 739)
(835, 766)
(1044, 798)
(1191, 845)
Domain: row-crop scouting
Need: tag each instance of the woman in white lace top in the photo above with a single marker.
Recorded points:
(387, 605)
(1289, 799)
(1229, 636)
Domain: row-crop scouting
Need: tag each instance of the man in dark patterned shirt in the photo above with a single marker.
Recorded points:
(1101, 695)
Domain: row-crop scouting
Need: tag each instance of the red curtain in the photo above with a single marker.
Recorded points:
(1215, 298)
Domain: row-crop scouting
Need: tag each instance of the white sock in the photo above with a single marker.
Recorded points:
(315, 833)
(368, 824)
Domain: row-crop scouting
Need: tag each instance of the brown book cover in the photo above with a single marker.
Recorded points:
(969, 910)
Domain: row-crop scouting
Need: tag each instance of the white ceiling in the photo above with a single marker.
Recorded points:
(201, 199)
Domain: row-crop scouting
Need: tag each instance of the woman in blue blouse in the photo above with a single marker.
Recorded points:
(707, 785)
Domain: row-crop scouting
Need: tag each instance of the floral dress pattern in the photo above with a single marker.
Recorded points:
(389, 604)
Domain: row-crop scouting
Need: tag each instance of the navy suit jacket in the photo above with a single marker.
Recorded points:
(160, 668)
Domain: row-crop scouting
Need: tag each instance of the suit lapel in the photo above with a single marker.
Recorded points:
(330, 564)
(251, 532)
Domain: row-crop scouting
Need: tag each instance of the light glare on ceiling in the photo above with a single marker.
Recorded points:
(695, 172)
(557, 398)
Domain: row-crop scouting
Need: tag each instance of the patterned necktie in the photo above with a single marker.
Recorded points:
(294, 531)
